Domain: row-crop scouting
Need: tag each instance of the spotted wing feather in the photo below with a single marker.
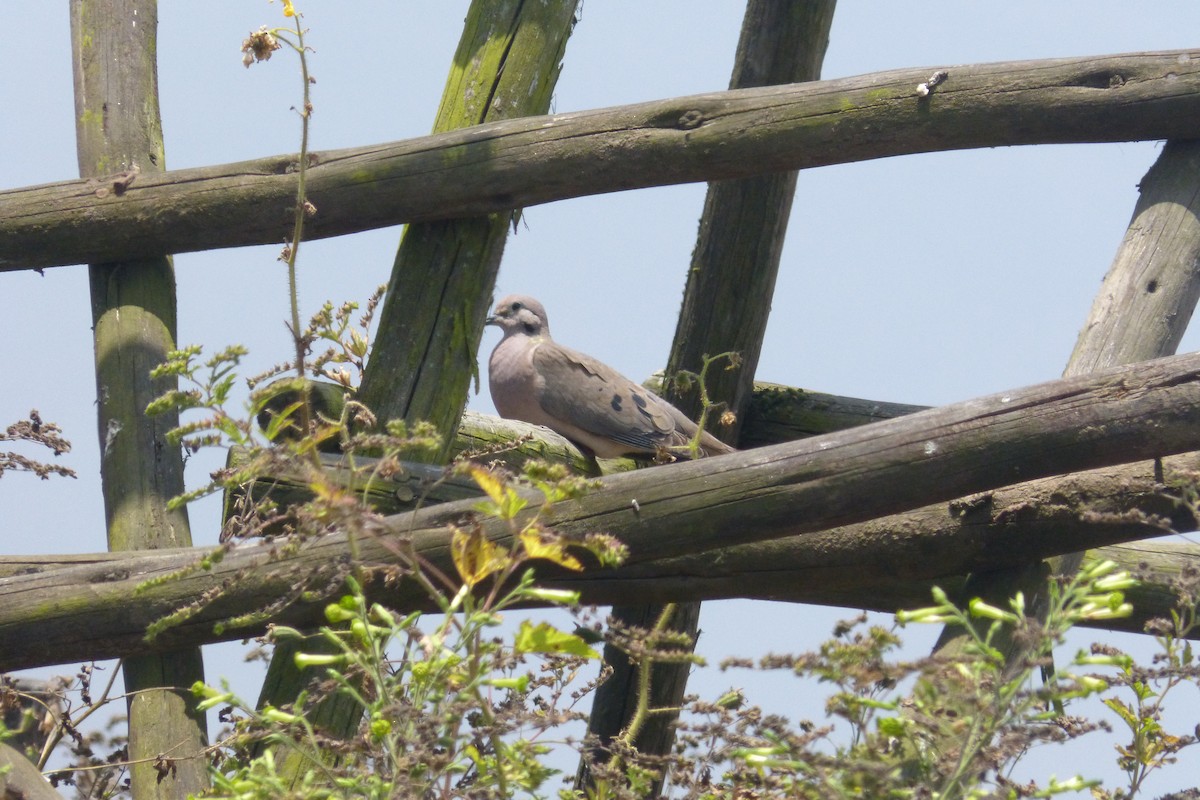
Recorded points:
(598, 399)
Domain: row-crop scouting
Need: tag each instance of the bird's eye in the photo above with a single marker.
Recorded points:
(517, 306)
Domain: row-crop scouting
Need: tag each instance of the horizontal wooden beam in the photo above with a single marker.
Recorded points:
(1138, 413)
(523, 162)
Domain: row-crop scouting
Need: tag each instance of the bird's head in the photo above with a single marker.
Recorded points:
(520, 315)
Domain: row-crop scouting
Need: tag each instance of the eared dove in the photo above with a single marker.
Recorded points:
(537, 380)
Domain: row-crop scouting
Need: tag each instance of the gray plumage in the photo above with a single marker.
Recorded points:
(535, 379)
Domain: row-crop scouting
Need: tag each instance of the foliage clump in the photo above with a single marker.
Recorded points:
(452, 706)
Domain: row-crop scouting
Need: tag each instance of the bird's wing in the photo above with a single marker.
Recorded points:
(594, 397)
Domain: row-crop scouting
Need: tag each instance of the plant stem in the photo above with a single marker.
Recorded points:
(300, 212)
(645, 667)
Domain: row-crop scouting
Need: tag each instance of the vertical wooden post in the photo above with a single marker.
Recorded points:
(119, 135)
(725, 308)
(506, 66)
(425, 354)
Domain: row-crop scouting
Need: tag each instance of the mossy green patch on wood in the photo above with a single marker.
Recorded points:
(879, 95)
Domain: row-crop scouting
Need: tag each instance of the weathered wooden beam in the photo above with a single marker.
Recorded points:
(516, 163)
(882, 565)
(19, 778)
(1158, 562)
(1118, 416)
(1147, 298)
(726, 303)
(894, 559)
(1140, 312)
(506, 65)
(118, 129)
(431, 321)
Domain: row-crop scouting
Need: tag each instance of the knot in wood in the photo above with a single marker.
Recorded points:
(110, 575)
(974, 508)
(1099, 79)
(690, 120)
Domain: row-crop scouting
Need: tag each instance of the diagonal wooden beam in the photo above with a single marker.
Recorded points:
(1140, 312)
(726, 303)
(506, 64)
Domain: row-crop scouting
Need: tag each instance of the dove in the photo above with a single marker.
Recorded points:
(537, 380)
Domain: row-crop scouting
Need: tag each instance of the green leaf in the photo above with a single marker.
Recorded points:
(1123, 711)
(545, 638)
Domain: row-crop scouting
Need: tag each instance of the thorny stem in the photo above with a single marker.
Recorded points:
(645, 667)
(301, 211)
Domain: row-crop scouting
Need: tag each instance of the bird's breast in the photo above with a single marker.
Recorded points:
(513, 381)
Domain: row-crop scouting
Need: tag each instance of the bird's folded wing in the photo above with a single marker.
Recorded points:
(592, 396)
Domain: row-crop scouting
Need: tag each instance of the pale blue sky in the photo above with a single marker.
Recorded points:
(922, 279)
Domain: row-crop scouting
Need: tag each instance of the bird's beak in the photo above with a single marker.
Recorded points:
(492, 320)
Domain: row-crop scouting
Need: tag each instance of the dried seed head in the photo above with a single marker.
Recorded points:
(259, 46)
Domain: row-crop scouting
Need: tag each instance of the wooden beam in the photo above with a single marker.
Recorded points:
(523, 162)
(113, 44)
(726, 303)
(1131, 414)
